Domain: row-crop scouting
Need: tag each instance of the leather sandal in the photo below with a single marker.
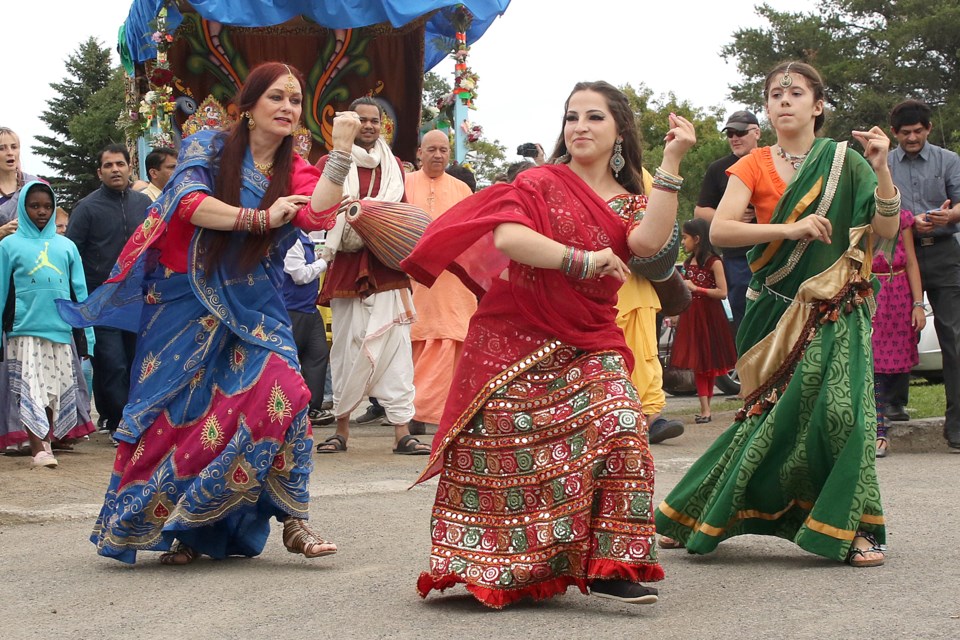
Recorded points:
(334, 444)
(857, 557)
(410, 446)
(300, 538)
(668, 543)
(179, 555)
(883, 447)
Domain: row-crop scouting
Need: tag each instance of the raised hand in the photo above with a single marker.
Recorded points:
(346, 124)
(678, 140)
(876, 146)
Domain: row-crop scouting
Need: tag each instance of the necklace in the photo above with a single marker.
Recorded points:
(795, 161)
(266, 168)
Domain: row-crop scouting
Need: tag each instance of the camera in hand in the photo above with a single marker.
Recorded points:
(528, 150)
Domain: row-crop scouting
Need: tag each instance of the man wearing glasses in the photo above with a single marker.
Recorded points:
(743, 134)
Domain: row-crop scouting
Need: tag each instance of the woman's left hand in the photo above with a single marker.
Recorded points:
(679, 138)
(876, 146)
(918, 319)
(610, 264)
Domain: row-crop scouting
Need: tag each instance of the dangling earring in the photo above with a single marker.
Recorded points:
(250, 123)
(617, 163)
(564, 159)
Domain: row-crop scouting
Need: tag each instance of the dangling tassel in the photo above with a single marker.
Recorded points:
(617, 163)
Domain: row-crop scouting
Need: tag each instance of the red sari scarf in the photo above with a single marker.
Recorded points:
(518, 316)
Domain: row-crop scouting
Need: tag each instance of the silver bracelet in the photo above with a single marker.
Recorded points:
(337, 167)
(888, 207)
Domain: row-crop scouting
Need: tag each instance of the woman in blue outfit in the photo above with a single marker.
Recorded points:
(215, 438)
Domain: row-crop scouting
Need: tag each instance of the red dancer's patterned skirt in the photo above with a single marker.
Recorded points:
(549, 484)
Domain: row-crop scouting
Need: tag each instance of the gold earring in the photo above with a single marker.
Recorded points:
(250, 123)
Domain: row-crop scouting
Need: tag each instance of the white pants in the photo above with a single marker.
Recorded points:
(371, 355)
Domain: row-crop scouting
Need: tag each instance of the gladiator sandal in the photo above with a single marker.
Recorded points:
(298, 537)
(179, 555)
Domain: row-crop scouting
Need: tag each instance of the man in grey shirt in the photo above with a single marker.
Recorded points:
(928, 178)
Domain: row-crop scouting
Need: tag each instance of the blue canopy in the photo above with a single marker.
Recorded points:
(334, 14)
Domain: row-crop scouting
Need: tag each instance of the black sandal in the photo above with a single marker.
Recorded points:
(410, 446)
(858, 557)
(337, 441)
(180, 555)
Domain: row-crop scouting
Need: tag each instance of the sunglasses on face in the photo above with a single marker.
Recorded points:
(731, 133)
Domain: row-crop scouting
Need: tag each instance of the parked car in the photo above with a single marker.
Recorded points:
(931, 360)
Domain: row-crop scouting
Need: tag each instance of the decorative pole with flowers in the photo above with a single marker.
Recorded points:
(152, 121)
(464, 83)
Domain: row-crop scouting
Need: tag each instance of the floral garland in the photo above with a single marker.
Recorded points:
(153, 116)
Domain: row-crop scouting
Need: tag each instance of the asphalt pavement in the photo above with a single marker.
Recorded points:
(55, 586)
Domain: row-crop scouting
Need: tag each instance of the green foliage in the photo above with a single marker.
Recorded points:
(82, 117)
(871, 53)
(487, 159)
(652, 124)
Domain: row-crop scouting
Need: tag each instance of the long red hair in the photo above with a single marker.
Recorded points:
(229, 179)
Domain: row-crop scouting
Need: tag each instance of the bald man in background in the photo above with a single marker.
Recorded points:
(443, 310)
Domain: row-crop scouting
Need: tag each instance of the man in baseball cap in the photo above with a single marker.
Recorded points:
(743, 134)
(740, 121)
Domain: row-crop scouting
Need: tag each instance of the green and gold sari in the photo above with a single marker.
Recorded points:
(798, 462)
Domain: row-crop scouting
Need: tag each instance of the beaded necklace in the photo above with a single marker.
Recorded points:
(795, 161)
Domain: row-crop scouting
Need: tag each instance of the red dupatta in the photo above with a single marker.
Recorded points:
(519, 316)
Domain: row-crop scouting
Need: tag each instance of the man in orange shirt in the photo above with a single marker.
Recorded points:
(443, 310)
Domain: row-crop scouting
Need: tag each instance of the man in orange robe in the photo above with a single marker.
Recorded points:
(443, 310)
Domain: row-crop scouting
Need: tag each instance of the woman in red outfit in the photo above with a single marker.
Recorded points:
(546, 478)
(703, 342)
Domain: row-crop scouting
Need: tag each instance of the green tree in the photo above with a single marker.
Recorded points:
(82, 117)
(871, 53)
(651, 114)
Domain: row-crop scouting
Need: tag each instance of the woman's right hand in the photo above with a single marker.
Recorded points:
(8, 229)
(346, 125)
(813, 227)
(610, 264)
(284, 209)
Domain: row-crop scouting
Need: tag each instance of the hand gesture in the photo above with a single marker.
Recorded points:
(610, 264)
(876, 146)
(346, 125)
(284, 209)
(813, 227)
(690, 285)
(541, 157)
(679, 138)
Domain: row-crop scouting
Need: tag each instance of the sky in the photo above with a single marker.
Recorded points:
(528, 60)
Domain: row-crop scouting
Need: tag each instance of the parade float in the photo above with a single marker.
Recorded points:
(185, 61)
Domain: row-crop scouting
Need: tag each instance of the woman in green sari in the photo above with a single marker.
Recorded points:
(798, 462)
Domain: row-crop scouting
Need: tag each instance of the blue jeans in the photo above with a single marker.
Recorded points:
(736, 269)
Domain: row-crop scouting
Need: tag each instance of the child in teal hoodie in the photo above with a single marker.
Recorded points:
(37, 267)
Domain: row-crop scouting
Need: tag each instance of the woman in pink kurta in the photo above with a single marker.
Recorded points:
(900, 315)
